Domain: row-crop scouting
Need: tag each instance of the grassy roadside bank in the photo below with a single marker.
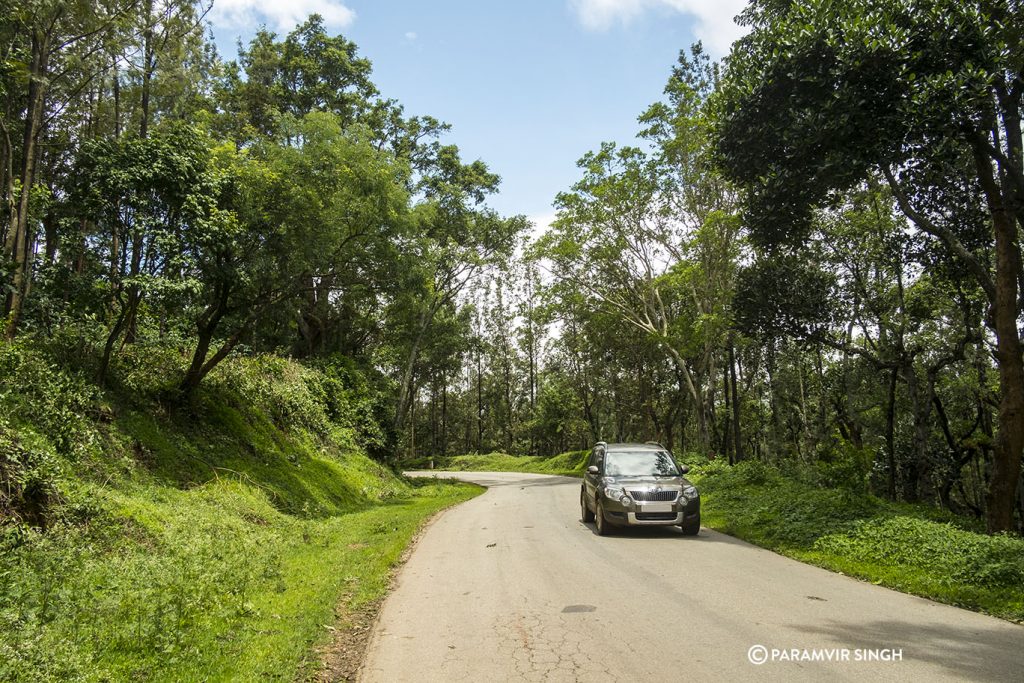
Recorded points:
(568, 464)
(916, 549)
(217, 541)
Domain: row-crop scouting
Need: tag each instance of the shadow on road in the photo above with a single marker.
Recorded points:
(641, 533)
(981, 653)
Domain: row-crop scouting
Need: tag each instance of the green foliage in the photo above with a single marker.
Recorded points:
(38, 392)
(845, 467)
(952, 555)
(292, 396)
(147, 372)
(30, 475)
(570, 463)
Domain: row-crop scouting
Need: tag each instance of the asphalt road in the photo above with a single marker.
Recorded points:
(512, 586)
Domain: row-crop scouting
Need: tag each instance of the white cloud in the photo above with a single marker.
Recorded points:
(279, 15)
(715, 25)
(410, 35)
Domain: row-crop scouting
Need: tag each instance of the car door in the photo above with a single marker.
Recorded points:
(592, 481)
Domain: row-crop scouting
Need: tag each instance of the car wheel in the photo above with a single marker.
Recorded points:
(603, 527)
(691, 528)
(585, 513)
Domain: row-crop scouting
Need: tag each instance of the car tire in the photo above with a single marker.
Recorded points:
(586, 514)
(603, 527)
(691, 528)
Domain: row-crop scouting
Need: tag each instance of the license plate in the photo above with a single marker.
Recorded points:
(656, 507)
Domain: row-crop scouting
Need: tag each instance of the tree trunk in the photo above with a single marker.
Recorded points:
(890, 436)
(405, 389)
(1006, 465)
(147, 69)
(108, 347)
(206, 327)
(773, 401)
(737, 433)
(117, 101)
(19, 241)
(1009, 445)
(921, 405)
(194, 374)
(479, 404)
(727, 423)
(134, 292)
(699, 400)
(444, 417)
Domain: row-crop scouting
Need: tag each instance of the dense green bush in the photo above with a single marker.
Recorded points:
(29, 480)
(144, 372)
(286, 391)
(839, 464)
(954, 555)
(39, 395)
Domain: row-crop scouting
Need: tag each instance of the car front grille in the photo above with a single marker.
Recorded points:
(652, 496)
(655, 516)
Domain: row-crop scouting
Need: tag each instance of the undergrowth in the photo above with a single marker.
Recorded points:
(570, 463)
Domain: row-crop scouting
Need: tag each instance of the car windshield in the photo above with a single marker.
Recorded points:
(640, 464)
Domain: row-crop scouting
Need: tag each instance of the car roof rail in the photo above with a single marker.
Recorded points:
(653, 443)
(601, 443)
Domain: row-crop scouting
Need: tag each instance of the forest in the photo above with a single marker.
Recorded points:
(810, 255)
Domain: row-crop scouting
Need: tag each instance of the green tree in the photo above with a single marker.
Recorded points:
(927, 98)
(278, 216)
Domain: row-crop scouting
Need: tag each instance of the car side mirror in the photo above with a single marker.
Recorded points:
(593, 470)
(684, 468)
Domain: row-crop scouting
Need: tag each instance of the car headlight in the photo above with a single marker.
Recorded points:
(614, 492)
(690, 492)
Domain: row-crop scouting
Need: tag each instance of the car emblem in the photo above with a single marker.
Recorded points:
(657, 489)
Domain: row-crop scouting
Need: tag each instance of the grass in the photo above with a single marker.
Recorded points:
(916, 549)
(201, 544)
(570, 464)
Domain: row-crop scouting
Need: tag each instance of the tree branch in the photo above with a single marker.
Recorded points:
(944, 234)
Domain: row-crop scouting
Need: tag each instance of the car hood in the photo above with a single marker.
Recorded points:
(651, 482)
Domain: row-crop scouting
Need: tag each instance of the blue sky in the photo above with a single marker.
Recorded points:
(529, 86)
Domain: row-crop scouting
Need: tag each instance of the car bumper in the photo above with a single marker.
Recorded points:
(636, 515)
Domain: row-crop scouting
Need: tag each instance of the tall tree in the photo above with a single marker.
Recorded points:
(48, 63)
(923, 96)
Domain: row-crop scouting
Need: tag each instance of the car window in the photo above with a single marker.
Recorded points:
(640, 464)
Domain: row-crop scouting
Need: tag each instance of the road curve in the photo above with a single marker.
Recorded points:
(512, 586)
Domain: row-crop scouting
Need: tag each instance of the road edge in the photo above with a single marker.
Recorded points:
(343, 657)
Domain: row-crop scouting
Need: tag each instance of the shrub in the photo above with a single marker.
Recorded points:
(955, 555)
(147, 371)
(29, 475)
(845, 466)
(283, 389)
(54, 401)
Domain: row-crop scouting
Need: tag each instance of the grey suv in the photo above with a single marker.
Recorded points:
(633, 484)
